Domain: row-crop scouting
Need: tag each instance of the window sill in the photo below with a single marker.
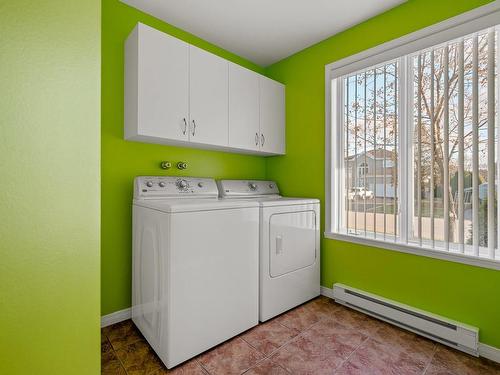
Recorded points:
(416, 250)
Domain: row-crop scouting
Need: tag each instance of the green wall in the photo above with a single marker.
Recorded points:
(122, 160)
(466, 293)
(49, 200)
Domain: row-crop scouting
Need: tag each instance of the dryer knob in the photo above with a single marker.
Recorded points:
(252, 186)
(182, 184)
(162, 184)
(149, 184)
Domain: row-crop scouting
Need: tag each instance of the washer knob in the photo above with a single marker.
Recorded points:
(149, 184)
(200, 184)
(162, 184)
(252, 186)
(271, 186)
(182, 184)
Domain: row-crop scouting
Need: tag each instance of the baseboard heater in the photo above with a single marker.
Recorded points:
(448, 332)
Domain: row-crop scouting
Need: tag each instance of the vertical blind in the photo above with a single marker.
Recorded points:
(445, 196)
(371, 151)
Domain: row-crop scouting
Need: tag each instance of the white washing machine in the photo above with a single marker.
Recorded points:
(289, 244)
(195, 266)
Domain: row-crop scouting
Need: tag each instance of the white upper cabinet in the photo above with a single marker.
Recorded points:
(156, 86)
(179, 94)
(244, 131)
(272, 116)
(208, 97)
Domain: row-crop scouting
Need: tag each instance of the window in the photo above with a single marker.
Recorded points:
(370, 137)
(362, 170)
(415, 148)
(454, 145)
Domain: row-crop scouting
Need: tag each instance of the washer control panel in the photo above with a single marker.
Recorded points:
(247, 188)
(151, 187)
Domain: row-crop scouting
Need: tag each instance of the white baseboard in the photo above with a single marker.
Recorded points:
(485, 351)
(489, 352)
(116, 317)
(327, 292)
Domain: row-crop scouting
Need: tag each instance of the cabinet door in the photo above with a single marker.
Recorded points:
(272, 116)
(208, 98)
(243, 108)
(157, 84)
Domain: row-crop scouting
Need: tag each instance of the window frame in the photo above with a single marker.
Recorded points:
(399, 49)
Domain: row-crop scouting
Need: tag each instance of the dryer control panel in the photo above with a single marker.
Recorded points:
(247, 188)
(156, 187)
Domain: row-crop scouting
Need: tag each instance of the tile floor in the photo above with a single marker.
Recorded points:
(319, 337)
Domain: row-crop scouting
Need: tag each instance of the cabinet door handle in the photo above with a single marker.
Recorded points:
(194, 128)
(262, 139)
(256, 139)
(185, 126)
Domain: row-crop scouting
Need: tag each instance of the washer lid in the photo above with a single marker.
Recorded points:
(193, 205)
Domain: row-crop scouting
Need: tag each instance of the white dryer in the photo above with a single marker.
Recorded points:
(195, 265)
(289, 244)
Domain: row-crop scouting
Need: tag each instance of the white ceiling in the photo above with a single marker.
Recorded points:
(263, 31)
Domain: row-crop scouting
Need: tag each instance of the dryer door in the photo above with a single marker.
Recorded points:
(292, 241)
